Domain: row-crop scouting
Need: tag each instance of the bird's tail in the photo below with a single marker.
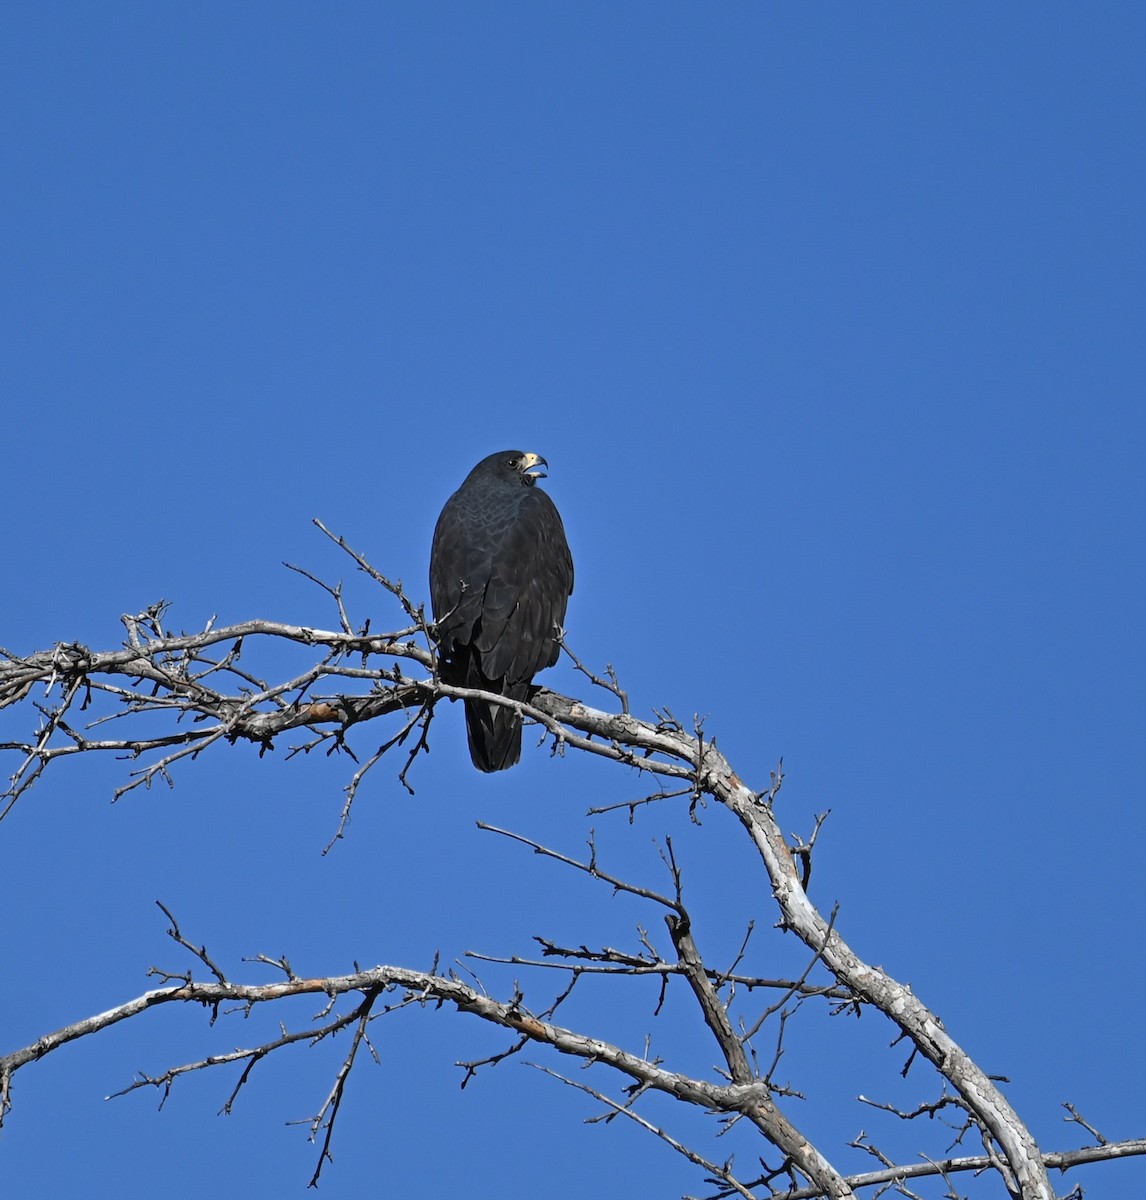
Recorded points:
(494, 734)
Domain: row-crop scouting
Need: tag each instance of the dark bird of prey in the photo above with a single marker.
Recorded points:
(500, 578)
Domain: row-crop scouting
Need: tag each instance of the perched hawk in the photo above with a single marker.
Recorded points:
(500, 578)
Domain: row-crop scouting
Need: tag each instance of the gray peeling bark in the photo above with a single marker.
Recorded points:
(1023, 1170)
(157, 670)
(762, 1111)
(742, 1096)
(983, 1098)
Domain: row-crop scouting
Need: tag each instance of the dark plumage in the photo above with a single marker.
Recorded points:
(500, 578)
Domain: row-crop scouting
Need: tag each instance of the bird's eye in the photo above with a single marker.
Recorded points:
(513, 462)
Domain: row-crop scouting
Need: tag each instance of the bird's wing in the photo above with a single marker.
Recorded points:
(460, 562)
(530, 579)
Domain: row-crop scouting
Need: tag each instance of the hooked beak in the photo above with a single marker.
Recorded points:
(529, 462)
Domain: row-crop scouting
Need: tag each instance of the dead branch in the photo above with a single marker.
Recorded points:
(163, 699)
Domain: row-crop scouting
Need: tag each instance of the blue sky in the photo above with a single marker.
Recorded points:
(829, 322)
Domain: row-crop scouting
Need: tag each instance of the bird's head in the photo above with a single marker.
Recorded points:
(514, 466)
(529, 465)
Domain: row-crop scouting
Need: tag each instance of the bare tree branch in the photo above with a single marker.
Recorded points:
(163, 699)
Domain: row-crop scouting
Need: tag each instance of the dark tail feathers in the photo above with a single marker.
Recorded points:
(494, 735)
